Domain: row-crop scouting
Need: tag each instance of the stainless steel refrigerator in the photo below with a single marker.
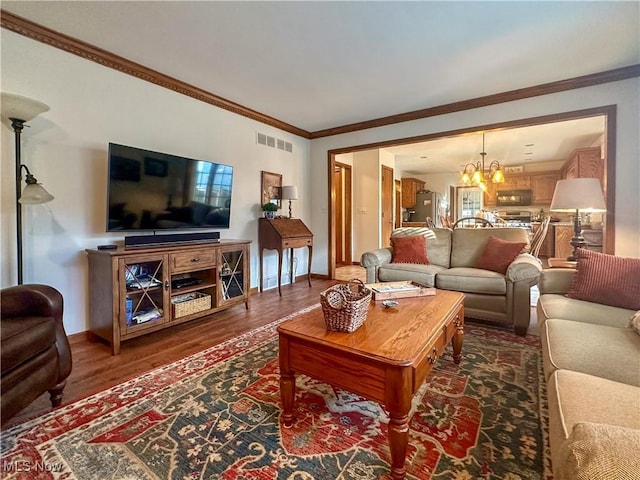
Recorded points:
(428, 204)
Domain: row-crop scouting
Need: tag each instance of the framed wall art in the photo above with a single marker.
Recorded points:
(271, 188)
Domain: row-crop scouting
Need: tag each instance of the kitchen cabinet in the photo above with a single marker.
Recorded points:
(585, 163)
(562, 240)
(543, 185)
(410, 186)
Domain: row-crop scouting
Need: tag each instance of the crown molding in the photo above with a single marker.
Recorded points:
(504, 97)
(87, 51)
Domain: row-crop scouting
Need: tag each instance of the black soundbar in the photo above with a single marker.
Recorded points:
(144, 241)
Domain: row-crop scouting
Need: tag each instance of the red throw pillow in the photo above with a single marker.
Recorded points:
(498, 254)
(607, 279)
(409, 249)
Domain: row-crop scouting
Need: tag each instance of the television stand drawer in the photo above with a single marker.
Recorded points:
(189, 261)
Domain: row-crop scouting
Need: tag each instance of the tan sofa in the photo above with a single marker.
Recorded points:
(453, 254)
(591, 362)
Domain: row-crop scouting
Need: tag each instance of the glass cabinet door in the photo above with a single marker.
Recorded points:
(144, 292)
(234, 275)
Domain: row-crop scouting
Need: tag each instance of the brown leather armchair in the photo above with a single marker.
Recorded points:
(34, 351)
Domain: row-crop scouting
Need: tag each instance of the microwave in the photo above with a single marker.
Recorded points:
(513, 198)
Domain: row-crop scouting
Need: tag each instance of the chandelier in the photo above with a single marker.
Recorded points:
(475, 174)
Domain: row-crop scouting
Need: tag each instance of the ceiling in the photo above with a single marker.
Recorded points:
(321, 65)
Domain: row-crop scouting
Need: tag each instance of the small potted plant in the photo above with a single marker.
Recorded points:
(269, 210)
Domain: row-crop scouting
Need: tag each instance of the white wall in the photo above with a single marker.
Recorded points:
(366, 202)
(66, 149)
(624, 94)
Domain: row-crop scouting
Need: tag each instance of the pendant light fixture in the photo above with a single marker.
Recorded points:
(474, 174)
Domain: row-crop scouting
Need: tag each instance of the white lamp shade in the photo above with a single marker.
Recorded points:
(21, 108)
(34, 194)
(584, 194)
(289, 192)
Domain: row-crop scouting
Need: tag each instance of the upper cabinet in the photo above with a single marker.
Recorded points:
(543, 185)
(584, 163)
(410, 186)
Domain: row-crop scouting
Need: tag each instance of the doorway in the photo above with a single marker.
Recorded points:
(608, 113)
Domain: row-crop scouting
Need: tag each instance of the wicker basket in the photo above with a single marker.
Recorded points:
(190, 303)
(345, 308)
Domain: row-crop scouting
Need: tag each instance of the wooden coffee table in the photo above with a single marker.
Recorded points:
(387, 359)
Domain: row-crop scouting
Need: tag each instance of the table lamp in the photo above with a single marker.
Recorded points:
(289, 192)
(578, 195)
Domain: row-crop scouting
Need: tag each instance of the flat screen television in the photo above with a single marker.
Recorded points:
(149, 191)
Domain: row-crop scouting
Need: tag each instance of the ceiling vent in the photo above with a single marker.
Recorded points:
(273, 142)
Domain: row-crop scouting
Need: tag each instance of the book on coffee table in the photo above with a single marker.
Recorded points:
(405, 289)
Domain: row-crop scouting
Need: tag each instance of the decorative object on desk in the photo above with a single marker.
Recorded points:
(578, 195)
(289, 192)
(271, 188)
(269, 210)
(345, 307)
(474, 174)
(18, 110)
(389, 303)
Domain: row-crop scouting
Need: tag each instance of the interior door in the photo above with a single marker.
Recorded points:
(398, 206)
(387, 205)
(342, 214)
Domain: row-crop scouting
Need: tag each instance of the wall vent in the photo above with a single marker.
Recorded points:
(273, 142)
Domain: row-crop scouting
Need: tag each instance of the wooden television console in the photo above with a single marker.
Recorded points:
(135, 292)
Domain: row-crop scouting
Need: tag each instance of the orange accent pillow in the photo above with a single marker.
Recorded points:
(606, 279)
(498, 254)
(409, 249)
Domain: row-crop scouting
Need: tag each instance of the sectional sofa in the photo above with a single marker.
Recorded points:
(591, 358)
(496, 284)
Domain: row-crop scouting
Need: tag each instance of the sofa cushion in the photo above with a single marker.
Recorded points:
(468, 243)
(577, 397)
(438, 242)
(587, 453)
(552, 305)
(472, 280)
(498, 254)
(399, 272)
(607, 279)
(579, 346)
(409, 249)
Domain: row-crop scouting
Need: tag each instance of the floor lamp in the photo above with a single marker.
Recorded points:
(578, 195)
(18, 110)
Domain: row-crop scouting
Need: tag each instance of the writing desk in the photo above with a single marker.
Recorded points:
(282, 233)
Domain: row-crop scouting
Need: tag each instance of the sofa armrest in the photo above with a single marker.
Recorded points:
(525, 268)
(372, 260)
(39, 300)
(556, 280)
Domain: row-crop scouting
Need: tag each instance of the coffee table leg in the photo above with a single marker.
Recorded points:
(398, 442)
(458, 337)
(287, 393)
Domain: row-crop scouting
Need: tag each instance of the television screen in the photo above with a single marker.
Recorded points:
(157, 191)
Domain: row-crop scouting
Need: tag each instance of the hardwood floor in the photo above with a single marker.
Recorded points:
(95, 369)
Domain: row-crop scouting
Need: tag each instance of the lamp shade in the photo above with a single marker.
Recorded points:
(584, 194)
(289, 192)
(34, 194)
(21, 108)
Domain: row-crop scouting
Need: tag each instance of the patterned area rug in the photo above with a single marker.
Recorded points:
(215, 415)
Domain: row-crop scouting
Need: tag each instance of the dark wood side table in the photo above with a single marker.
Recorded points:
(280, 234)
